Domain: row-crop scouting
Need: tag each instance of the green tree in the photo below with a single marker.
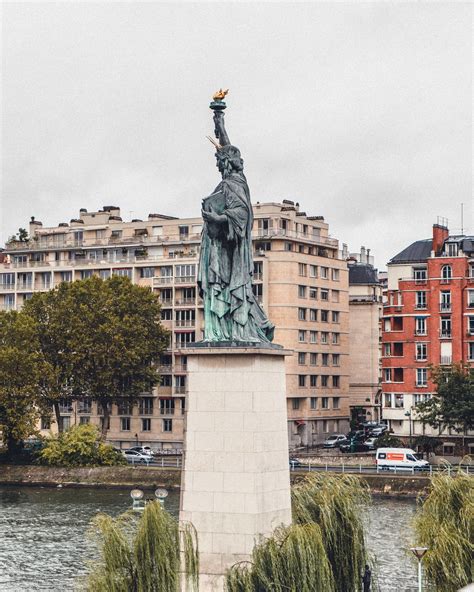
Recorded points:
(20, 368)
(427, 444)
(444, 524)
(452, 406)
(80, 446)
(324, 548)
(142, 553)
(23, 235)
(100, 339)
(387, 440)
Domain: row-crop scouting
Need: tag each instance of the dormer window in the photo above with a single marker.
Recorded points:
(452, 249)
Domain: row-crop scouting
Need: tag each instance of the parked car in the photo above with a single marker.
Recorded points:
(356, 446)
(378, 431)
(334, 441)
(142, 449)
(133, 456)
(371, 443)
(295, 463)
(400, 459)
(356, 434)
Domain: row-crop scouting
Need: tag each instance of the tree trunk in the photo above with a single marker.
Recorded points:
(57, 415)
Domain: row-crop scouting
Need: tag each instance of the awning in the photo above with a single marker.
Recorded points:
(300, 422)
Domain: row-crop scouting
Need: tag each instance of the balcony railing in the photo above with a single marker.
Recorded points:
(185, 279)
(166, 411)
(7, 287)
(185, 323)
(185, 301)
(445, 306)
(446, 360)
(445, 334)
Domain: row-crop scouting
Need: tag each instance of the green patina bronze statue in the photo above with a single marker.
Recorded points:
(231, 312)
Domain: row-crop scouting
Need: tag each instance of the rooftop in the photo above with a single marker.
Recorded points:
(362, 273)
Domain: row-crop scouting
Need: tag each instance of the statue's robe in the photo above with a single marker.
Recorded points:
(226, 268)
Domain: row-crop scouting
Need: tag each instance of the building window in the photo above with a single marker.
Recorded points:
(419, 275)
(84, 406)
(167, 425)
(420, 326)
(448, 449)
(301, 336)
(445, 327)
(387, 375)
(324, 316)
(124, 408)
(421, 352)
(313, 337)
(313, 381)
(470, 325)
(301, 380)
(123, 273)
(83, 419)
(125, 424)
(325, 403)
(301, 358)
(335, 338)
(45, 423)
(335, 316)
(335, 275)
(325, 426)
(288, 246)
(314, 403)
(313, 293)
(166, 314)
(147, 272)
(167, 406)
(324, 381)
(183, 232)
(295, 403)
(335, 381)
(421, 377)
(470, 298)
(301, 291)
(302, 269)
(313, 314)
(388, 400)
(335, 402)
(146, 406)
(445, 301)
(471, 350)
(325, 359)
(398, 400)
(335, 359)
(335, 295)
(302, 314)
(324, 294)
(387, 349)
(420, 299)
(313, 359)
(146, 424)
(324, 273)
(324, 337)
(313, 271)
(104, 274)
(446, 272)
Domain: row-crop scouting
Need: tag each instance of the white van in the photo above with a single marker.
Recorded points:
(400, 459)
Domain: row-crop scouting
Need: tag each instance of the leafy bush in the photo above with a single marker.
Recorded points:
(389, 441)
(79, 446)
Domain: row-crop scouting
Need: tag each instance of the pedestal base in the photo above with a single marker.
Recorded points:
(236, 483)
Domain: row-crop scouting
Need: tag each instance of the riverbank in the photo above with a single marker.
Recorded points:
(152, 477)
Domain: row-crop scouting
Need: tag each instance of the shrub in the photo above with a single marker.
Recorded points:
(79, 446)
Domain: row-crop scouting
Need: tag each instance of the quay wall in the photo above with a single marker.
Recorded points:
(153, 477)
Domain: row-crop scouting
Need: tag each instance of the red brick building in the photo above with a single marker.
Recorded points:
(428, 319)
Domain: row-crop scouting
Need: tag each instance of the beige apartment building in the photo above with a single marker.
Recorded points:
(365, 338)
(300, 277)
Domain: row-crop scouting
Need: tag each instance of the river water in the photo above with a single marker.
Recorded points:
(44, 545)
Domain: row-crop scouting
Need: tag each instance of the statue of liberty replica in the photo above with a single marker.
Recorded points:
(231, 311)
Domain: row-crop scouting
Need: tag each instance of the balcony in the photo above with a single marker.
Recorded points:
(445, 334)
(185, 323)
(7, 287)
(180, 368)
(185, 279)
(445, 306)
(165, 368)
(185, 301)
(166, 411)
(180, 390)
(27, 286)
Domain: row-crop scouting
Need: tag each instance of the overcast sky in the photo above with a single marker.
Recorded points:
(360, 112)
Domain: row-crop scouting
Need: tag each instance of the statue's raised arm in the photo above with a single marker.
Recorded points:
(219, 129)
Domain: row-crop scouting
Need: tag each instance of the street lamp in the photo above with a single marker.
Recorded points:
(138, 501)
(161, 494)
(408, 414)
(419, 553)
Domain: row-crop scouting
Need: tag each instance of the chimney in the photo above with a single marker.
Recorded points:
(440, 234)
(34, 225)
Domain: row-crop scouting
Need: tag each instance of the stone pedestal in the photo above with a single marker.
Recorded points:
(236, 482)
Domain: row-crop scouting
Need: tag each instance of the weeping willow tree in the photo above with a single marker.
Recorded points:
(322, 551)
(445, 525)
(141, 553)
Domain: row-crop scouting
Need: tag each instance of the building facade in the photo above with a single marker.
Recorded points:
(428, 319)
(365, 337)
(300, 278)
